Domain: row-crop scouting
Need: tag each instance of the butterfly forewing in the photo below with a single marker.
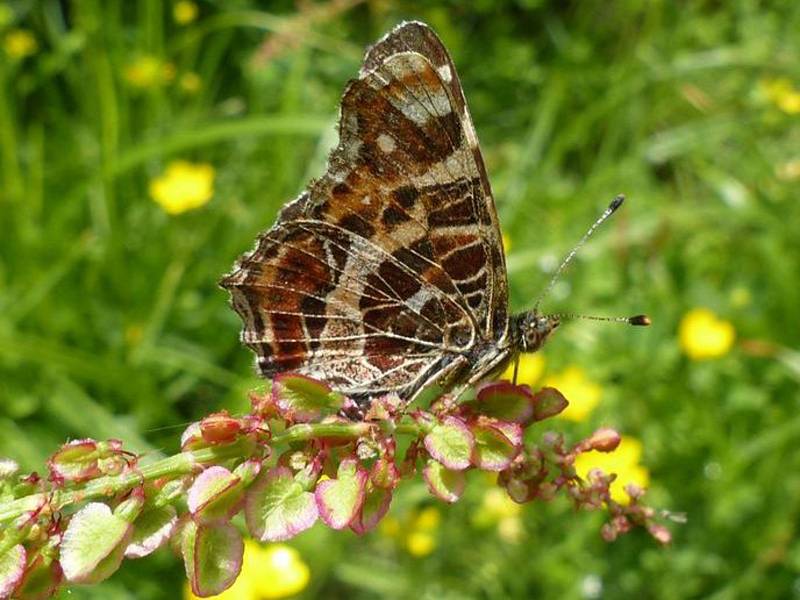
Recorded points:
(389, 269)
(417, 37)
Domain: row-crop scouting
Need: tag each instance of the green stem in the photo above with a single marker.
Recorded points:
(172, 466)
(299, 433)
(184, 464)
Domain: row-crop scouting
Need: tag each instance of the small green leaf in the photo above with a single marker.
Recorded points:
(548, 402)
(444, 483)
(152, 529)
(215, 495)
(12, 568)
(506, 401)
(94, 544)
(339, 500)
(494, 449)
(376, 505)
(304, 399)
(277, 507)
(451, 443)
(213, 557)
(42, 578)
(75, 461)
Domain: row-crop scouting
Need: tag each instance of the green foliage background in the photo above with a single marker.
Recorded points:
(111, 324)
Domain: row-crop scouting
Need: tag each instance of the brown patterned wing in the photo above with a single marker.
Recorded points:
(415, 36)
(384, 272)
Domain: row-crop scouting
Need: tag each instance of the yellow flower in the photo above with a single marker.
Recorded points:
(183, 186)
(790, 103)
(500, 510)
(782, 93)
(703, 335)
(510, 529)
(624, 462)
(531, 367)
(582, 393)
(148, 71)
(496, 505)
(427, 519)
(184, 12)
(420, 543)
(19, 43)
(282, 572)
(274, 571)
(421, 539)
(190, 82)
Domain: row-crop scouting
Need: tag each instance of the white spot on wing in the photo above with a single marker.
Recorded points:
(418, 300)
(418, 101)
(445, 73)
(386, 143)
(458, 165)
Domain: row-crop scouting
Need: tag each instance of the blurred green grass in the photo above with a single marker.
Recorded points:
(111, 323)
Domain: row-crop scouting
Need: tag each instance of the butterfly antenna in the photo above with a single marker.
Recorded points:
(638, 320)
(615, 204)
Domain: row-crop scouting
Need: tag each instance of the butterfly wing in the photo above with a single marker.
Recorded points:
(384, 271)
(415, 36)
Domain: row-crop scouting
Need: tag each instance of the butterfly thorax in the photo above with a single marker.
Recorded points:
(529, 330)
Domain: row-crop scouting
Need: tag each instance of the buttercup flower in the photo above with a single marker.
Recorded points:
(148, 71)
(531, 367)
(500, 510)
(421, 539)
(783, 93)
(703, 335)
(183, 186)
(624, 462)
(274, 571)
(582, 393)
(184, 12)
(420, 543)
(19, 43)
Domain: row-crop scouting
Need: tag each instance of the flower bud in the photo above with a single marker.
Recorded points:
(608, 532)
(220, 428)
(519, 491)
(634, 491)
(660, 533)
(604, 439)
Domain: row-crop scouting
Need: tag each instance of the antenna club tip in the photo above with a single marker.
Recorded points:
(616, 202)
(640, 320)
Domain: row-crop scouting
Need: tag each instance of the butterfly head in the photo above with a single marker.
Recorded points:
(534, 329)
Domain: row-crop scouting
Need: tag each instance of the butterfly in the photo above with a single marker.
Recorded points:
(388, 273)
